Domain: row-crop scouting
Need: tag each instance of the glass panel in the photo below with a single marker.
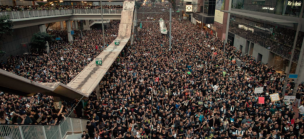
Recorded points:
(209, 7)
(10, 131)
(275, 37)
(280, 7)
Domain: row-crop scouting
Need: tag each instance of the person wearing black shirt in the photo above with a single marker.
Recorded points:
(105, 136)
(91, 129)
(154, 135)
(85, 135)
(118, 130)
(298, 100)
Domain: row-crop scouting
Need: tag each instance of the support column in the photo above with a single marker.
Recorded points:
(42, 28)
(292, 54)
(76, 24)
(97, 89)
(299, 72)
(102, 24)
(170, 38)
(134, 24)
(86, 25)
(68, 24)
(73, 26)
(61, 25)
(227, 25)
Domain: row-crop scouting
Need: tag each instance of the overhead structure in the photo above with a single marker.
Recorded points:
(88, 79)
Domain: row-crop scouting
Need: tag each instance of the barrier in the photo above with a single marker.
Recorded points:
(70, 125)
(45, 13)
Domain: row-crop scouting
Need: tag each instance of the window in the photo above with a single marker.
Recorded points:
(209, 7)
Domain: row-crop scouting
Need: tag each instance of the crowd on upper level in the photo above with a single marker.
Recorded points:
(5, 8)
(280, 42)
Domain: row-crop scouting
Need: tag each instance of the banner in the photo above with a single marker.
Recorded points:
(220, 4)
(289, 99)
(162, 26)
(261, 100)
(219, 15)
(258, 90)
(157, 79)
(274, 97)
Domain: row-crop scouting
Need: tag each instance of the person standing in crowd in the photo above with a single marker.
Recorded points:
(192, 91)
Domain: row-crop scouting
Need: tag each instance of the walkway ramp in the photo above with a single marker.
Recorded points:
(88, 79)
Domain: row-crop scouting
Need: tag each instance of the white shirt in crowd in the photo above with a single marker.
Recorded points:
(301, 109)
(239, 133)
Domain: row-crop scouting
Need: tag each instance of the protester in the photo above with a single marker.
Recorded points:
(279, 41)
(38, 109)
(62, 64)
(65, 59)
(193, 91)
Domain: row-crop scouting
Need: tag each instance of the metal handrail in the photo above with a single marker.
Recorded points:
(70, 125)
(44, 13)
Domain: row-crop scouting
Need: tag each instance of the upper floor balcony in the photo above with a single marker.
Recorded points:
(17, 15)
(37, 17)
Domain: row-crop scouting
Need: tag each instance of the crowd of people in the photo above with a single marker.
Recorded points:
(192, 91)
(36, 110)
(280, 41)
(6, 8)
(65, 60)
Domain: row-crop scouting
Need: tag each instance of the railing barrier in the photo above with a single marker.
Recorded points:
(69, 125)
(43, 13)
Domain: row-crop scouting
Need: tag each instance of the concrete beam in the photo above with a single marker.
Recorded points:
(27, 22)
(69, 29)
(61, 25)
(42, 28)
(76, 24)
(39, 21)
(95, 17)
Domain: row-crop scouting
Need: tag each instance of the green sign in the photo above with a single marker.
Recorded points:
(98, 62)
(116, 42)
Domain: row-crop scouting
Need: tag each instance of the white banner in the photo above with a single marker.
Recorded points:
(219, 16)
(274, 97)
(289, 99)
(258, 90)
(162, 26)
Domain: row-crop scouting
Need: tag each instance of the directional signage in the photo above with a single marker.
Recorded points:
(293, 76)
(98, 62)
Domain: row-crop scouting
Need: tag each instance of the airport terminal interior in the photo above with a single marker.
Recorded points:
(151, 69)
